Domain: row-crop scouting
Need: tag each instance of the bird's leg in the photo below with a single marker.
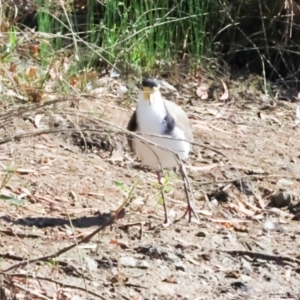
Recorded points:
(158, 173)
(190, 209)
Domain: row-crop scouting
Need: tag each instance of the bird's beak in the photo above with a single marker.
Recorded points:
(149, 93)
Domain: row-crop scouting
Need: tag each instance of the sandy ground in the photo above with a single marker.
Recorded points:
(246, 154)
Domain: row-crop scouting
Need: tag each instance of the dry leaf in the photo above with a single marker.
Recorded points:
(73, 80)
(34, 50)
(37, 121)
(170, 279)
(116, 156)
(31, 72)
(227, 225)
(22, 171)
(168, 85)
(205, 212)
(225, 94)
(242, 209)
(191, 260)
(202, 91)
(288, 275)
(232, 274)
(260, 200)
(230, 221)
(34, 96)
(115, 242)
(240, 228)
(262, 115)
(11, 93)
(204, 168)
(13, 67)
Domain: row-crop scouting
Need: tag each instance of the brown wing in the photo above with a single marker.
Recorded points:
(132, 126)
(181, 119)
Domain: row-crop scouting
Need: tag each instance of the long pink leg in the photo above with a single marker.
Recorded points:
(190, 209)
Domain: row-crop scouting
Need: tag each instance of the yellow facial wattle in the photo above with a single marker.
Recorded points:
(149, 93)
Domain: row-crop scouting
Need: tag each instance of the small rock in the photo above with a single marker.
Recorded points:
(281, 199)
(201, 234)
(180, 266)
(269, 225)
(168, 85)
(113, 73)
(241, 286)
(92, 265)
(128, 261)
(154, 251)
(106, 263)
(284, 182)
(243, 187)
(246, 266)
(75, 298)
(219, 195)
(295, 208)
(143, 264)
(296, 217)
(171, 256)
(214, 201)
(245, 278)
(122, 89)
(265, 97)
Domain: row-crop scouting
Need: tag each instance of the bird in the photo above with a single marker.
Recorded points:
(167, 127)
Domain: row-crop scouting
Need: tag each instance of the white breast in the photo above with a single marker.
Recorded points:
(150, 119)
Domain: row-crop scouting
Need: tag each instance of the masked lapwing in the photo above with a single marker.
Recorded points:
(165, 124)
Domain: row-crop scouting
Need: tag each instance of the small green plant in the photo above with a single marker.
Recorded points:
(53, 262)
(8, 173)
(166, 187)
(127, 192)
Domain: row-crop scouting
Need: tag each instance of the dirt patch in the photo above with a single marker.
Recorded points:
(244, 154)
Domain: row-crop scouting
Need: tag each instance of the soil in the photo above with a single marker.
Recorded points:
(245, 177)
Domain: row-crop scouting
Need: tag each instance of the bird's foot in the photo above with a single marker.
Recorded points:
(167, 223)
(189, 210)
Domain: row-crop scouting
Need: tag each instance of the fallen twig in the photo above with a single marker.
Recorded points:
(27, 290)
(245, 177)
(65, 285)
(277, 258)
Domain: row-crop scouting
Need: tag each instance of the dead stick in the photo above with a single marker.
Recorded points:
(65, 285)
(262, 256)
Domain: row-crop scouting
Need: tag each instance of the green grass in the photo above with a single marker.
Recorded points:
(128, 33)
(140, 35)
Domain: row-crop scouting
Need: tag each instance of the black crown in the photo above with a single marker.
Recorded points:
(150, 83)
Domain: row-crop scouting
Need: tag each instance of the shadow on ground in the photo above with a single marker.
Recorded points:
(83, 222)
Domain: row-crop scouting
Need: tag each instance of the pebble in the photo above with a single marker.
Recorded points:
(284, 182)
(92, 265)
(201, 234)
(172, 257)
(128, 261)
(180, 266)
(281, 199)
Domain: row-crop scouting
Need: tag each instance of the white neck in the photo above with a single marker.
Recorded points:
(151, 113)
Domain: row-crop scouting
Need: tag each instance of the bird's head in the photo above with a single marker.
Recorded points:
(150, 90)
